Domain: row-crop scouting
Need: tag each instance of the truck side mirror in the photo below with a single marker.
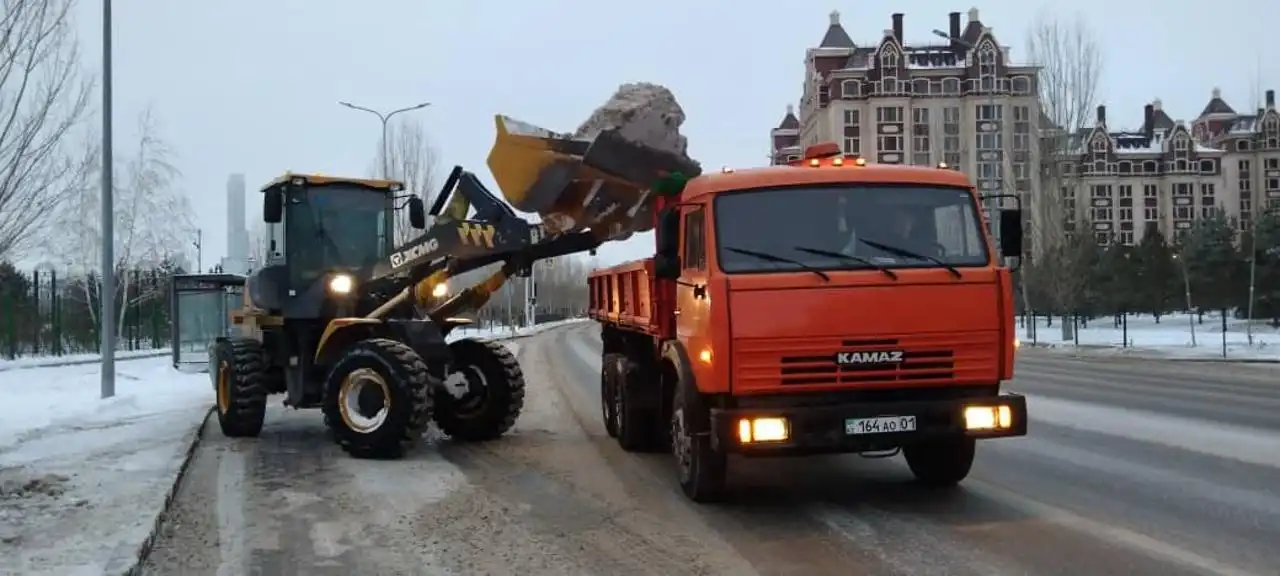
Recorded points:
(666, 266)
(667, 232)
(272, 205)
(417, 213)
(1011, 232)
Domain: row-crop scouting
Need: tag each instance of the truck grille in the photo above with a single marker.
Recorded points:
(926, 359)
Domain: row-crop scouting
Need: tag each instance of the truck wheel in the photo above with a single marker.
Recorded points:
(378, 399)
(634, 420)
(700, 468)
(494, 397)
(239, 373)
(941, 463)
(609, 393)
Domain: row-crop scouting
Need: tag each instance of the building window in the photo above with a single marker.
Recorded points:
(989, 141)
(920, 147)
(889, 59)
(852, 131)
(987, 66)
(990, 112)
(951, 136)
(889, 143)
(1126, 237)
(889, 114)
(1150, 202)
(1208, 203)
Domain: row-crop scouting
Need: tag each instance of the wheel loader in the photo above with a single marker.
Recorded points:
(341, 319)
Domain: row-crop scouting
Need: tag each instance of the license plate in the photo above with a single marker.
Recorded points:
(880, 425)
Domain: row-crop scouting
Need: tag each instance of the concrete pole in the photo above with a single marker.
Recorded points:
(106, 296)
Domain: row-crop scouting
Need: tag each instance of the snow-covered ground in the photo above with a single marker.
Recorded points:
(69, 359)
(1171, 337)
(83, 480)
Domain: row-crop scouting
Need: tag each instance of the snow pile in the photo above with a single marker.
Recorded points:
(644, 113)
(82, 479)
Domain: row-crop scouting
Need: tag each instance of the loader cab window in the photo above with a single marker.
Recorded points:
(695, 244)
(335, 228)
(849, 227)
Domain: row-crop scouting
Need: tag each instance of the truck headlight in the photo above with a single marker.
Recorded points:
(440, 290)
(341, 284)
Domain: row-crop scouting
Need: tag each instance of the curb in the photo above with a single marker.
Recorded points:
(1091, 351)
(61, 363)
(144, 549)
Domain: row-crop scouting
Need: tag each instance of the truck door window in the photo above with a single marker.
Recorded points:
(695, 246)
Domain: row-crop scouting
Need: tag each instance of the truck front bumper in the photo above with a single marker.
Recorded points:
(864, 427)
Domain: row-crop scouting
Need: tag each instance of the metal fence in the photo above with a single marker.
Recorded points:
(44, 313)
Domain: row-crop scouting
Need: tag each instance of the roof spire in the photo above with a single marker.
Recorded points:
(835, 17)
(1217, 93)
(791, 109)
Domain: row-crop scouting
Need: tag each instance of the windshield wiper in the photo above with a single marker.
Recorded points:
(903, 252)
(776, 258)
(849, 257)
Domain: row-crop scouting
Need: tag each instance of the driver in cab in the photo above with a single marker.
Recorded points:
(896, 225)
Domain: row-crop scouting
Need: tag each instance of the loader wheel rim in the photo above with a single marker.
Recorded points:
(364, 400)
(224, 387)
(472, 403)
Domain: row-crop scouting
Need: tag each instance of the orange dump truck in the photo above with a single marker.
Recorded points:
(826, 306)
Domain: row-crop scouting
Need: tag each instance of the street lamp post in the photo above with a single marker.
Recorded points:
(384, 118)
(107, 301)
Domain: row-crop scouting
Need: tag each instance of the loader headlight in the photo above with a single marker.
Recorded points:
(341, 284)
(440, 290)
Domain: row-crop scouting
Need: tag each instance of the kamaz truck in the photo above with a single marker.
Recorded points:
(831, 305)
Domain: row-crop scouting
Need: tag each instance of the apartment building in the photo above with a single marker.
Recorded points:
(958, 100)
(1169, 173)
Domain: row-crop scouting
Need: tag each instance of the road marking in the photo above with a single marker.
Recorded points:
(1251, 445)
(1110, 533)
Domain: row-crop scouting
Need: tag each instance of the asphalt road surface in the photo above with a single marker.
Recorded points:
(1131, 467)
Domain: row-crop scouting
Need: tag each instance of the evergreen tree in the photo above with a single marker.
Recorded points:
(1158, 278)
(1081, 255)
(1116, 279)
(1213, 264)
(1266, 280)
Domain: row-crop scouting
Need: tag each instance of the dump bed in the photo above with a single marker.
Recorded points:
(626, 296)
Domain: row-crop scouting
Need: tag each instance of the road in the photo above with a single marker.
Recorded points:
(1131, 467)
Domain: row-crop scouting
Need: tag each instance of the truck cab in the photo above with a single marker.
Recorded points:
(830, 305)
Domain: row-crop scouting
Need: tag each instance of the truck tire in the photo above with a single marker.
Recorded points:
(700, 468)
(497, 392)
(608, 394)
(378, 399)
(636, 420)
(239, 370)
(941, 463)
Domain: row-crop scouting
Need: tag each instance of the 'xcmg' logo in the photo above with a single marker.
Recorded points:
(882, 357)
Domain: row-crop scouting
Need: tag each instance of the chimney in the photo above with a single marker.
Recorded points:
(954, 30)
(897, 27)
(973, 14)
(835, 17)
(1271, 99)
(1148, 120)
(791, 109)
(1102, 114)
(1156, 104)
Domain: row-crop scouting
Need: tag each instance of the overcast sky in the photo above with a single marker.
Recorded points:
(251, 85)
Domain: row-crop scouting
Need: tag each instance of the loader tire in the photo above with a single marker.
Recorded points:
(941, 463)
(239, 370)
(496, 396)
(378, 399)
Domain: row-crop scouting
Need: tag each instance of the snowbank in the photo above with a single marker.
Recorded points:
(1170, 338)
(73, 359)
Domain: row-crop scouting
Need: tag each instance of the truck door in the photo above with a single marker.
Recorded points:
(691, 297)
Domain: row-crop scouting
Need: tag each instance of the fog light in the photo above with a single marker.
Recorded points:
(752, 430)
(341, 284)
(988, 417)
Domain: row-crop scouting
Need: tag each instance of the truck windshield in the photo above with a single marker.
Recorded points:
(849, 227)
(335, 227)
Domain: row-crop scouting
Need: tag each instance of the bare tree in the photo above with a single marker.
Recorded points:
(153, 221)
(412, 161)
(1070, 62)
(42, 97)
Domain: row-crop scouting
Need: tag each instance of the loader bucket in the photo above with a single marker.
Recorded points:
(603, 183)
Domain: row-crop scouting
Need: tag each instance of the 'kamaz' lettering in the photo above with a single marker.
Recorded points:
(883, 357)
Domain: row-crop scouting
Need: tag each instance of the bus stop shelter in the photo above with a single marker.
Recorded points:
(202, 306)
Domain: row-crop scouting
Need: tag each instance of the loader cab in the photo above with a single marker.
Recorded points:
(321, 232)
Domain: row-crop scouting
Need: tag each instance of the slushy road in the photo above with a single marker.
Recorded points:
(1131, 467)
